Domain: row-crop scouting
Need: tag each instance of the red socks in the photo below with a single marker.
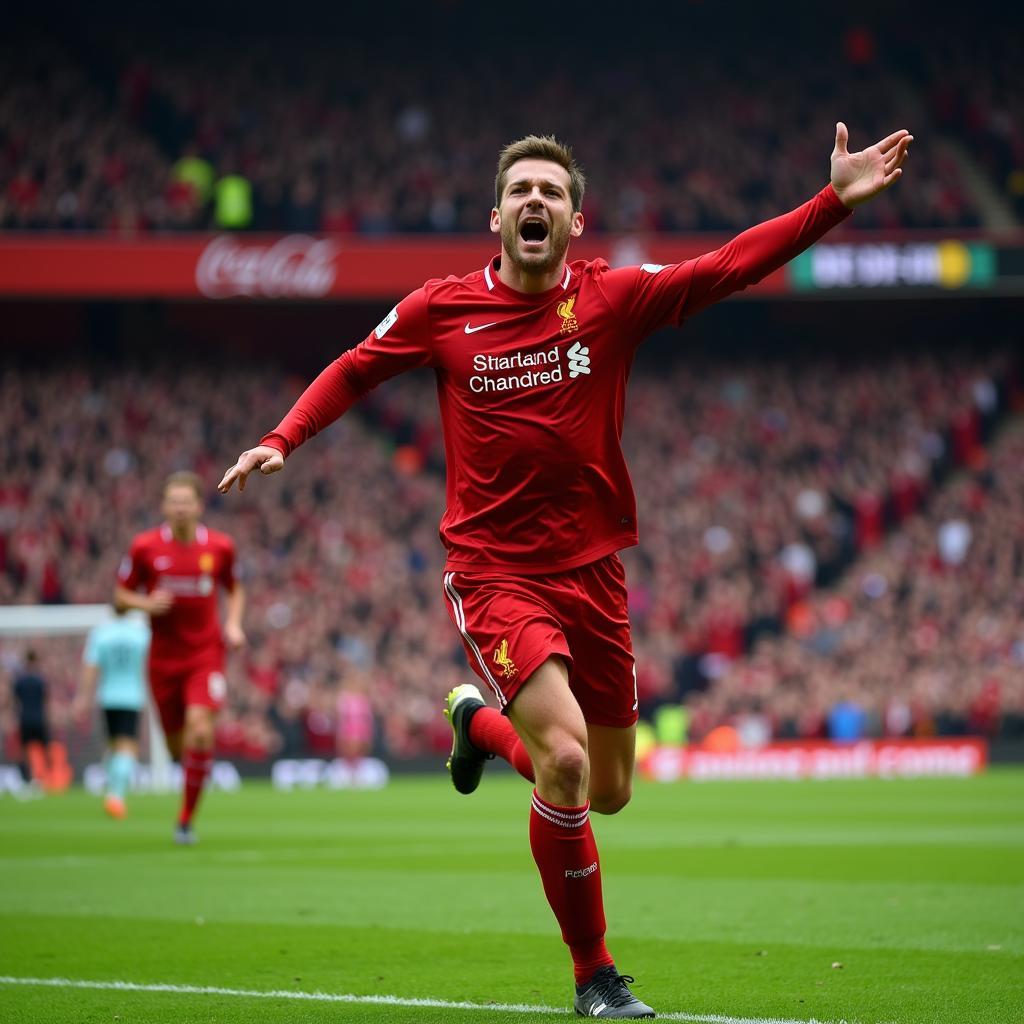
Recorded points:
(566, 855)
(197, 765)
(563, 847)
(491, 732)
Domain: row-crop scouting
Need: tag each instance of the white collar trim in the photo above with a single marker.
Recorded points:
(490, 281)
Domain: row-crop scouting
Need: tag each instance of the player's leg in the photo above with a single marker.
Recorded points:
(122, 725)
(593, 605)
(604, 681)
(196, 761)
(205, 690)
(34, 769)
(550, 723)
(548, 718)
(516, 645)
(175, 743)
(168, 690)
(612, 756)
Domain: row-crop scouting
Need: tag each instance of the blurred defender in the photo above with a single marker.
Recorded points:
(178, 567)
(114, 675)
(532, 355)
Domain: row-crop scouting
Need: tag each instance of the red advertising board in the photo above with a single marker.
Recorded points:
(955, 756)
(289, 267)
(305, 268)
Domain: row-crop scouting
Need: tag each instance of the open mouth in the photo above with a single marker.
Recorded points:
(533, 229)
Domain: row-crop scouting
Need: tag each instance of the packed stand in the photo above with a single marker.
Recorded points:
(922, 637)
(975, 93)
(325, 136)
(759, 484)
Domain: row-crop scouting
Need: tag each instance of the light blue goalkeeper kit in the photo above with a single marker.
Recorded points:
(119, 649)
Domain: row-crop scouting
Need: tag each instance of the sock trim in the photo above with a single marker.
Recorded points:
(564, 817)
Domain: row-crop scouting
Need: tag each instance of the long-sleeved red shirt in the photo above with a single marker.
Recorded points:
(532, 389)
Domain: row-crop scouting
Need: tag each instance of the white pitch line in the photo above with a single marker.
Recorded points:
(332, 997)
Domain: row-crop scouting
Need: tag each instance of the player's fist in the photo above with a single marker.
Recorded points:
(234, 635)
(264, 458)
(160, 602)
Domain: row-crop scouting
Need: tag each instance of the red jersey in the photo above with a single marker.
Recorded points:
(156, 561)
(532, 390)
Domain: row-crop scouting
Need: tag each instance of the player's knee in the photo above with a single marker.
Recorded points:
(200, 739)
(199, 732)
(566, 762)
(611, 801)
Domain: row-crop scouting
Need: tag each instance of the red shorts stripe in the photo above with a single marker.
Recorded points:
(460, 622)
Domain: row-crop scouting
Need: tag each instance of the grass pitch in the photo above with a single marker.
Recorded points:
(899, 901)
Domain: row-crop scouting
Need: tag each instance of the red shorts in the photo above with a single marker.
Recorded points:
(176, 687)
(511, 624)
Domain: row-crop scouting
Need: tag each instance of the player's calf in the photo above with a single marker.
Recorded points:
(610, 801)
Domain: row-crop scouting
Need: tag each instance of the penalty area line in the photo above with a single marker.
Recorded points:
(346, 997)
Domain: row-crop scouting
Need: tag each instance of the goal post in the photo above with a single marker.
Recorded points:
(40, 621)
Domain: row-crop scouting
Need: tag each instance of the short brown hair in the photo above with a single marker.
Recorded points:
(184, 478)
(541, 147)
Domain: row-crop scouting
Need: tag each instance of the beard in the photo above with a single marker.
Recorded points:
(557, 244)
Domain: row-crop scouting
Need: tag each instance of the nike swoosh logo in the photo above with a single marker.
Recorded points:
(473, 330)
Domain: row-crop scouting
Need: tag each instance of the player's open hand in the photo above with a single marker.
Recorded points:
(160, 602)
(857, 177)
(264, 458)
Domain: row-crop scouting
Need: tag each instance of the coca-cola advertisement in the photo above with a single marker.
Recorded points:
(293, 267)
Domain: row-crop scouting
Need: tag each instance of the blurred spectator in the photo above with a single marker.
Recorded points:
(847, 721)
(193, 179)
(232, 201)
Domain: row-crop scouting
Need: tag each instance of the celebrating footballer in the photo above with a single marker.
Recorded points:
(532, 355)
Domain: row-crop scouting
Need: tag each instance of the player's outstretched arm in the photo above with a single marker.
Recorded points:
(858, 177)
(264, 458)
(400, 342)
(756, 252)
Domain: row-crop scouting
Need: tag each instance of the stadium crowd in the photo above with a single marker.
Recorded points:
(979, 99)
(922, 637)
(792, 514)
(133, 135)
